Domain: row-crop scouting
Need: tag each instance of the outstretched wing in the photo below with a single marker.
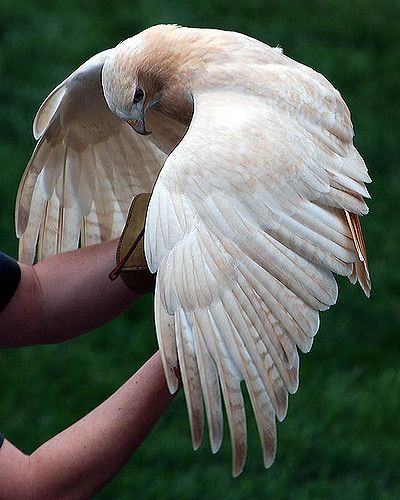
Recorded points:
(246, 224)
(84, 171)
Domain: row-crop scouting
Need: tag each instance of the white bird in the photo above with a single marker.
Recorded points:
(256, 191)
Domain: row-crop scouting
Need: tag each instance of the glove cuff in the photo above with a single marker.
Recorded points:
(130, 252)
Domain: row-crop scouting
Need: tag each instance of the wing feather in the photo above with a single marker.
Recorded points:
(230, 378)
(209, 382)
(165, 328)
(279, 375)
(245, 240)
(259, 395)
(47, 110)
(360, 271)
(190, 376)
(28, 240)
(92, 163)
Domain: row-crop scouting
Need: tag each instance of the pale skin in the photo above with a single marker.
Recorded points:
(57, 299)
(64, 296)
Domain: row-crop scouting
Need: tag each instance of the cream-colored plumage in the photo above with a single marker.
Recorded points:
(256, 204)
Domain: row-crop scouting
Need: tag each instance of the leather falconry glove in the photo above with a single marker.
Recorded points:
(131, 262)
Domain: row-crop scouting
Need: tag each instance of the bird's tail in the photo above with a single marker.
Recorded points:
(360, 271)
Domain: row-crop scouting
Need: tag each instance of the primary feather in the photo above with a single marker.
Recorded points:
(257, 201)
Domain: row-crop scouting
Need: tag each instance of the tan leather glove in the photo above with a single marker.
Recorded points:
(131, 262)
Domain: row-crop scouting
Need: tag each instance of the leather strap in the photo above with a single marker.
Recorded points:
(131, 261)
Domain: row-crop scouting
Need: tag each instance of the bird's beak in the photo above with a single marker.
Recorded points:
(139, 126)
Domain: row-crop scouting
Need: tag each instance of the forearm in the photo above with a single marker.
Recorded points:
(64, 296)
(79, 461)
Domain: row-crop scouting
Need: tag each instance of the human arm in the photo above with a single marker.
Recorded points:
(79, 461)
(64, 296)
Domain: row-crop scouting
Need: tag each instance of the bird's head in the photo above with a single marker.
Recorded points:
(142, 72)
(129, 88)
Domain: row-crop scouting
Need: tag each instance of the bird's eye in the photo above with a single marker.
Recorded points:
(138, 95)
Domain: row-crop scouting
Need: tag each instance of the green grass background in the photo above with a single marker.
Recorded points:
(341, 437)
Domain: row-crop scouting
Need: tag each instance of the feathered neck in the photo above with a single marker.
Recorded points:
(170, 55)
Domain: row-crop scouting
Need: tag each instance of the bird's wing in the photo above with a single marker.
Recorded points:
(246, 224)
(84, 171)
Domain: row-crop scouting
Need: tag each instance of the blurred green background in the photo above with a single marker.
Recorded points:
(341, 438)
